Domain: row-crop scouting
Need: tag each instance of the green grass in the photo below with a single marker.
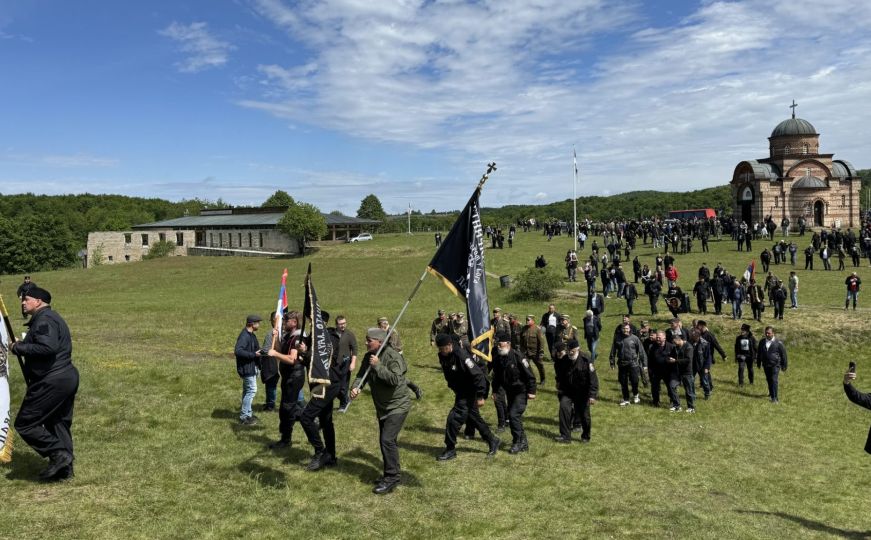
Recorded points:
(160, 455)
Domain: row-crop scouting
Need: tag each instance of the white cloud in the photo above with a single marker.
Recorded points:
(203, 50)
(58, 160)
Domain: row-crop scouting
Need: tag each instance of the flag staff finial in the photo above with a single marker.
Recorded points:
(490, 168)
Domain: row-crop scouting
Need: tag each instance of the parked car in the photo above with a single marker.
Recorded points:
(362, 237)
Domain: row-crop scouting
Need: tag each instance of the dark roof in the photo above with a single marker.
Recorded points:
(843, 169)
(809, 182)
(794, 126)
(237, 218)
(763, 171)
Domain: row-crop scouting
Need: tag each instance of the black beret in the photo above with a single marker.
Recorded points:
(442, 340)
(572, 344)
(253, 318)
(503, 337)
(39, 293)
(745, 326)
(560, 346)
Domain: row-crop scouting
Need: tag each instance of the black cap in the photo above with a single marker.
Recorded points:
(559, 346)
(745, 326)
(503, 337)
(572, 344)
(253, 318)
(442, 340)
(39, 293)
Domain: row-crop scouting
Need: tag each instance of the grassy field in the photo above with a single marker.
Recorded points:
(161, 455)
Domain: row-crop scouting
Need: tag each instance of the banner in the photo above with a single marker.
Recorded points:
(321, 345)
(280, 308)
(750, 273)
(459, 263)
(5, 419)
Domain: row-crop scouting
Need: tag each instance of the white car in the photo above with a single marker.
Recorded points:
(362, 237)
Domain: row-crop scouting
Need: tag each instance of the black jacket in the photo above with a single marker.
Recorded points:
(577, 377)
(47, 347)
(246, 357)
(512, 373)
(684, 364)
(745, 348)
(463, 375)
(864, 400)
(544, 322)
(775, 356)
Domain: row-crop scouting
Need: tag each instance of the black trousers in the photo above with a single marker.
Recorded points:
(703, 305)
(571, 407)
(465, 411)
(289, 408)
(654, 298)
(388, 433)
(718, 303)
(45, 417)
(516, 408)
(808, 263)
(627, 374)
(771, 378)
(741, 365)
(779, 306)
(501, 404)
(689, 386)
(322, 409)
(344, 385)
(656, 380)
(757, 310)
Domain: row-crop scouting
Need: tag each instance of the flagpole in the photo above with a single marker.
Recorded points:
(575, 198)
(490, 168)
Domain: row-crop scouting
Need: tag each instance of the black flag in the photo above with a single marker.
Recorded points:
(321, 345)
(459, 263)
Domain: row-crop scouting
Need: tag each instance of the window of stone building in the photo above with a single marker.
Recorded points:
(144, 239)
(128, 238)
(249, 240)
(127, 258)
(220, 239)
(110, 258)
(787, 149)
(240, 239)
(843, 200)
(162, 237)
(776, 202)
(212, 239)
(261, 241)
(804, 149)
(179, 239)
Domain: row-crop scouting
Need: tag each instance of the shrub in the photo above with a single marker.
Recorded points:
(160, 249)
(536, 284)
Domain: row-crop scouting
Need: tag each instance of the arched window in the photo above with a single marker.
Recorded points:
(787, 149)
(804, 149)
(843, 200)
(776, 202)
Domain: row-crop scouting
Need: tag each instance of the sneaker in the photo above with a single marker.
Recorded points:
(500, 428)
(249, 421)
(636, 399)
(624, 403)
(675, 408)
(344, 409)
(318, 461)
(562, 440)
(691, 410)
(447, 455)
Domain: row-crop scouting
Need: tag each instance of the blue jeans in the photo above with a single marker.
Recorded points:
(592, 344)
(793, 296)
(854, 295)
(736, 309)
(249, 389)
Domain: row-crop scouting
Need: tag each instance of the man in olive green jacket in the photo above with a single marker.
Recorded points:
(390, 396)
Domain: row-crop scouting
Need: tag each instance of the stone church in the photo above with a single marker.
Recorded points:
(797, 180)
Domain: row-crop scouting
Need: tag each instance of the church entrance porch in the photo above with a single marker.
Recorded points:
(819, 212)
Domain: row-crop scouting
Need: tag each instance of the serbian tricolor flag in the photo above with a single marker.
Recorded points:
(750, 273)
(281, 306)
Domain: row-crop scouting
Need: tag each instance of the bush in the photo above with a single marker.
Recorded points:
(160, 249)
(536, 284)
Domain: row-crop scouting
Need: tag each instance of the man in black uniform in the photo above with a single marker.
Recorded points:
(469, 384)
(318, 413)
(511, 372)
(292, 371)
(45, 417)
(745, 353)
(577, 389)
(681, 374)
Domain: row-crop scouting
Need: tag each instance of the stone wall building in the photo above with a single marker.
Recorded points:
(796, 180)
(230, 231)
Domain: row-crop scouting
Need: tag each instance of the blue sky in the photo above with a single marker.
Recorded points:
(332, 100)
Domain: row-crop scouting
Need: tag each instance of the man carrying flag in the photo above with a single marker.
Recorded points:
(325, 381)
(750, 273)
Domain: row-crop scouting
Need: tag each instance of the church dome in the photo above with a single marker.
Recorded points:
(794, 126)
